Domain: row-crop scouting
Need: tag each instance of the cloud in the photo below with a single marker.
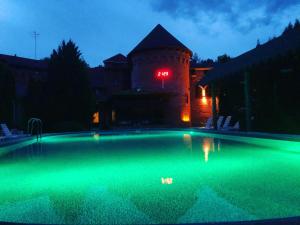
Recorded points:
(242, 15)
(107, 27)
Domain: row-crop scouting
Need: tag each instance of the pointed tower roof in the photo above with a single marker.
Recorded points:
(118, 58)
(159, 37)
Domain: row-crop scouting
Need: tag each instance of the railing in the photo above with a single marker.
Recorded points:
(35, 123)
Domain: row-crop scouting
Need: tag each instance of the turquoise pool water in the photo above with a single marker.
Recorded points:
(149, 178)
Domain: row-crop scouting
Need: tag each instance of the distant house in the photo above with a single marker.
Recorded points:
(23, 70)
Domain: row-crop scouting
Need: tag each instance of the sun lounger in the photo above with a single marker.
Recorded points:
(2, 138)
(219, 122)
(235, 127)
(208, 124)
(226, 123)
(6, 132)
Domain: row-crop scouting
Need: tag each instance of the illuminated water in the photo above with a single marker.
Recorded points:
(158, 177)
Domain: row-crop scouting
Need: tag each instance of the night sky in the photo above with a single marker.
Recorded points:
(102, 28)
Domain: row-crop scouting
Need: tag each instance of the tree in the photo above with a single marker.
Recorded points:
(69, 96)
(274, 88)
(288, 29)
(258, 43)
(195, 59)
(7, 95)
(223, 58)
(297, 25)
(207, 62)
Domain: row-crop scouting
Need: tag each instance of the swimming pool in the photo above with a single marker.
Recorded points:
(149, 178)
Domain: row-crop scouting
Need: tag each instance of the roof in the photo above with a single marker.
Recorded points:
(278, 46)
(16, 61)
(97, 76)
(159, 37)
(118, 58)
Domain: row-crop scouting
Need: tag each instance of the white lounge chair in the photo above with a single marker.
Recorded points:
(236, 126)
(226, 123)
(208, 124)
(2, 138)
(219, 122)
(6, 132)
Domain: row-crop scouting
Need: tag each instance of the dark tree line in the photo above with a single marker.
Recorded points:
(65, 101)
(275, 92)
(292, 27)
(195, 59)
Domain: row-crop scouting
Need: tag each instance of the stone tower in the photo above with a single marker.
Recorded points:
(160, 63)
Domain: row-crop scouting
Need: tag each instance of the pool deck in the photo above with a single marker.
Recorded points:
(288, 137)
(284, 221)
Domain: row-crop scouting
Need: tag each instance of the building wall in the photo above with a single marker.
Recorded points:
(22, 77)
(145, 64)
(201, 102)
(106, 81)
(117, 78)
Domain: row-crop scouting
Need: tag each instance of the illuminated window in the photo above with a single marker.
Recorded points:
(113, 116)
(96, 117)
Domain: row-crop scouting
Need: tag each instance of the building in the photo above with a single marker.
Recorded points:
(155, 84)
(163, 87)
(260, 88)
(24, 71)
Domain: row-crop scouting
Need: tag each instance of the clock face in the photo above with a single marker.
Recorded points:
(163, 74)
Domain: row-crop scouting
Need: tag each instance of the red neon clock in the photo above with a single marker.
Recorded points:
(162, 74)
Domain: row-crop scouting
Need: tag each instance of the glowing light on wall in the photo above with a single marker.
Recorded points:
(203, 95)
(185, 114)
(203, 91)
(185, 118)
(167, 180)
(204, 100)
(96, 118)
